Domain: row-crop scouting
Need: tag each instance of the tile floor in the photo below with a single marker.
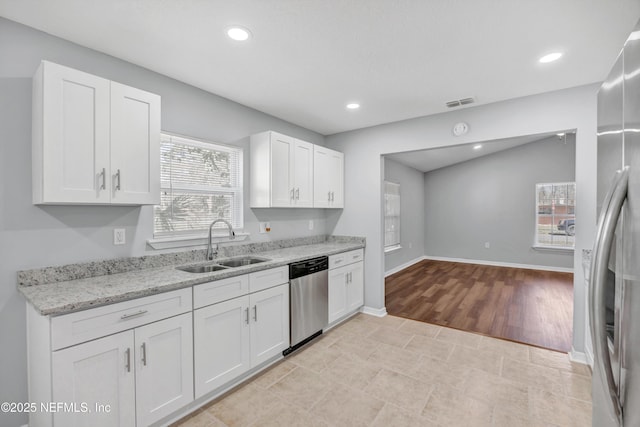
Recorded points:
(390, 371)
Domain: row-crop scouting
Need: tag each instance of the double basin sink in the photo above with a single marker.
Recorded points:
(222, 265)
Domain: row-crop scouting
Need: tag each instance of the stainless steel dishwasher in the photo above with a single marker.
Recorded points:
(309, 300)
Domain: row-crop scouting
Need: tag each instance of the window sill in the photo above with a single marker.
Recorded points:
(173, 242)
(552, 248)
(392, 248)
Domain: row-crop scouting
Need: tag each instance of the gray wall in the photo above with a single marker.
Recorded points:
(492, 199)
(411, 214)
(554, 111)
(32, 236)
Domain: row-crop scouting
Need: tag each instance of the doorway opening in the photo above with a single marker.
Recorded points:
(481, 246)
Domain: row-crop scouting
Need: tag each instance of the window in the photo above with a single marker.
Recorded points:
(200, 182)
(555, 218)
(391, 216)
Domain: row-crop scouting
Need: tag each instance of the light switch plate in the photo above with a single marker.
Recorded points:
(119, 236)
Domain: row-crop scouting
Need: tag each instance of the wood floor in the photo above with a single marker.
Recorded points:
(529, 306)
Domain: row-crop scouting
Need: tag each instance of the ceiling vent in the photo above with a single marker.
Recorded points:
(460, 102)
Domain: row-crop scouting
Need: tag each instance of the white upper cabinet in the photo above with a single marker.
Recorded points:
(288, 172)
(281, 171)
(135, 146)
(94, 141)
(328, 178)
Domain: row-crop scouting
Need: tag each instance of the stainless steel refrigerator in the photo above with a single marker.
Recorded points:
(614, 288)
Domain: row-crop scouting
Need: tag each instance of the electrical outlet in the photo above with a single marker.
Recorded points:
(487, 245)
(310, 224)
(265, 227)
(119, 237)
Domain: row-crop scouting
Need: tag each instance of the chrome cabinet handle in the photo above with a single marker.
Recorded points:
(127, 358)
(103, 186)
(144, 353)
(329, 196)
(255, 313)
(246, 314)
(332, 196)
(297, 194)
(118, 180)
(293, 192)
(611, 209)
(130, 315)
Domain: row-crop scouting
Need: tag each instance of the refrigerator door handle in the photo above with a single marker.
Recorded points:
(611, 209)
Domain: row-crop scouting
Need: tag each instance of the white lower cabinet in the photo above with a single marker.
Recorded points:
(135, 377)
(270, 323)
(233, 336)
(96, 373)
(346, 284)
(164, 368)
(221, 343)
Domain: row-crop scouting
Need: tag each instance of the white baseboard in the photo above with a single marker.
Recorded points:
(501, 264)
(578, 357)
(378, 312)
(403, 266)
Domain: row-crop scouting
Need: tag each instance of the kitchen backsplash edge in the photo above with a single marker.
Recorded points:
(63, 273)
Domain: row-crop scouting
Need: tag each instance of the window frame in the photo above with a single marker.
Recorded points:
(541, 245)
(396, 244)
(236, 191)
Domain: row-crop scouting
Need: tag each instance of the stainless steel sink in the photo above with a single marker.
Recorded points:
(222, 265)
(240, 261)
(206, 268)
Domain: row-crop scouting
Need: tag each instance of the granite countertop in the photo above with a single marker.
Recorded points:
(72, 295)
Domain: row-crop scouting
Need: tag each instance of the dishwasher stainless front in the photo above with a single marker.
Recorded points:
(309, 300)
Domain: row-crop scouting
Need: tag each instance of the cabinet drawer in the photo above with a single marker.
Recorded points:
(346, 258)
(74, 328)
(268, 278)
(220, 290)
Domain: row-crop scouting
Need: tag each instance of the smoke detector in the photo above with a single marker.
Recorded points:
(460, 102)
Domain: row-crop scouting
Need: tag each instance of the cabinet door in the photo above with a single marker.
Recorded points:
(221, 343)
(71, 148)
(100, 374)
(336, 178)
(164, 368)
(282, 151)
(269, 312)
(328, 178)
(321, 177)
(135, 146)
(337, 293)
(355, 287)
(303, 174)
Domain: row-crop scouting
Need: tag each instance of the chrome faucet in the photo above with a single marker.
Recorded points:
(211, 251)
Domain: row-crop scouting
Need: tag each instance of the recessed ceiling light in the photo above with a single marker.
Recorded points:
(477, 146)
(238, 33)
(554, 56)
(353, 106)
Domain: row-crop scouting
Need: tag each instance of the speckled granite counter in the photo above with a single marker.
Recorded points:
(104, 288)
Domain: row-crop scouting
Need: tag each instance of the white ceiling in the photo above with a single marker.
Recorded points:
(307, 59)
(436, 158)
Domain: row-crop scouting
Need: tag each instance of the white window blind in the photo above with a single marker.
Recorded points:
(391, 214)
(200, 182)
(555, 215)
